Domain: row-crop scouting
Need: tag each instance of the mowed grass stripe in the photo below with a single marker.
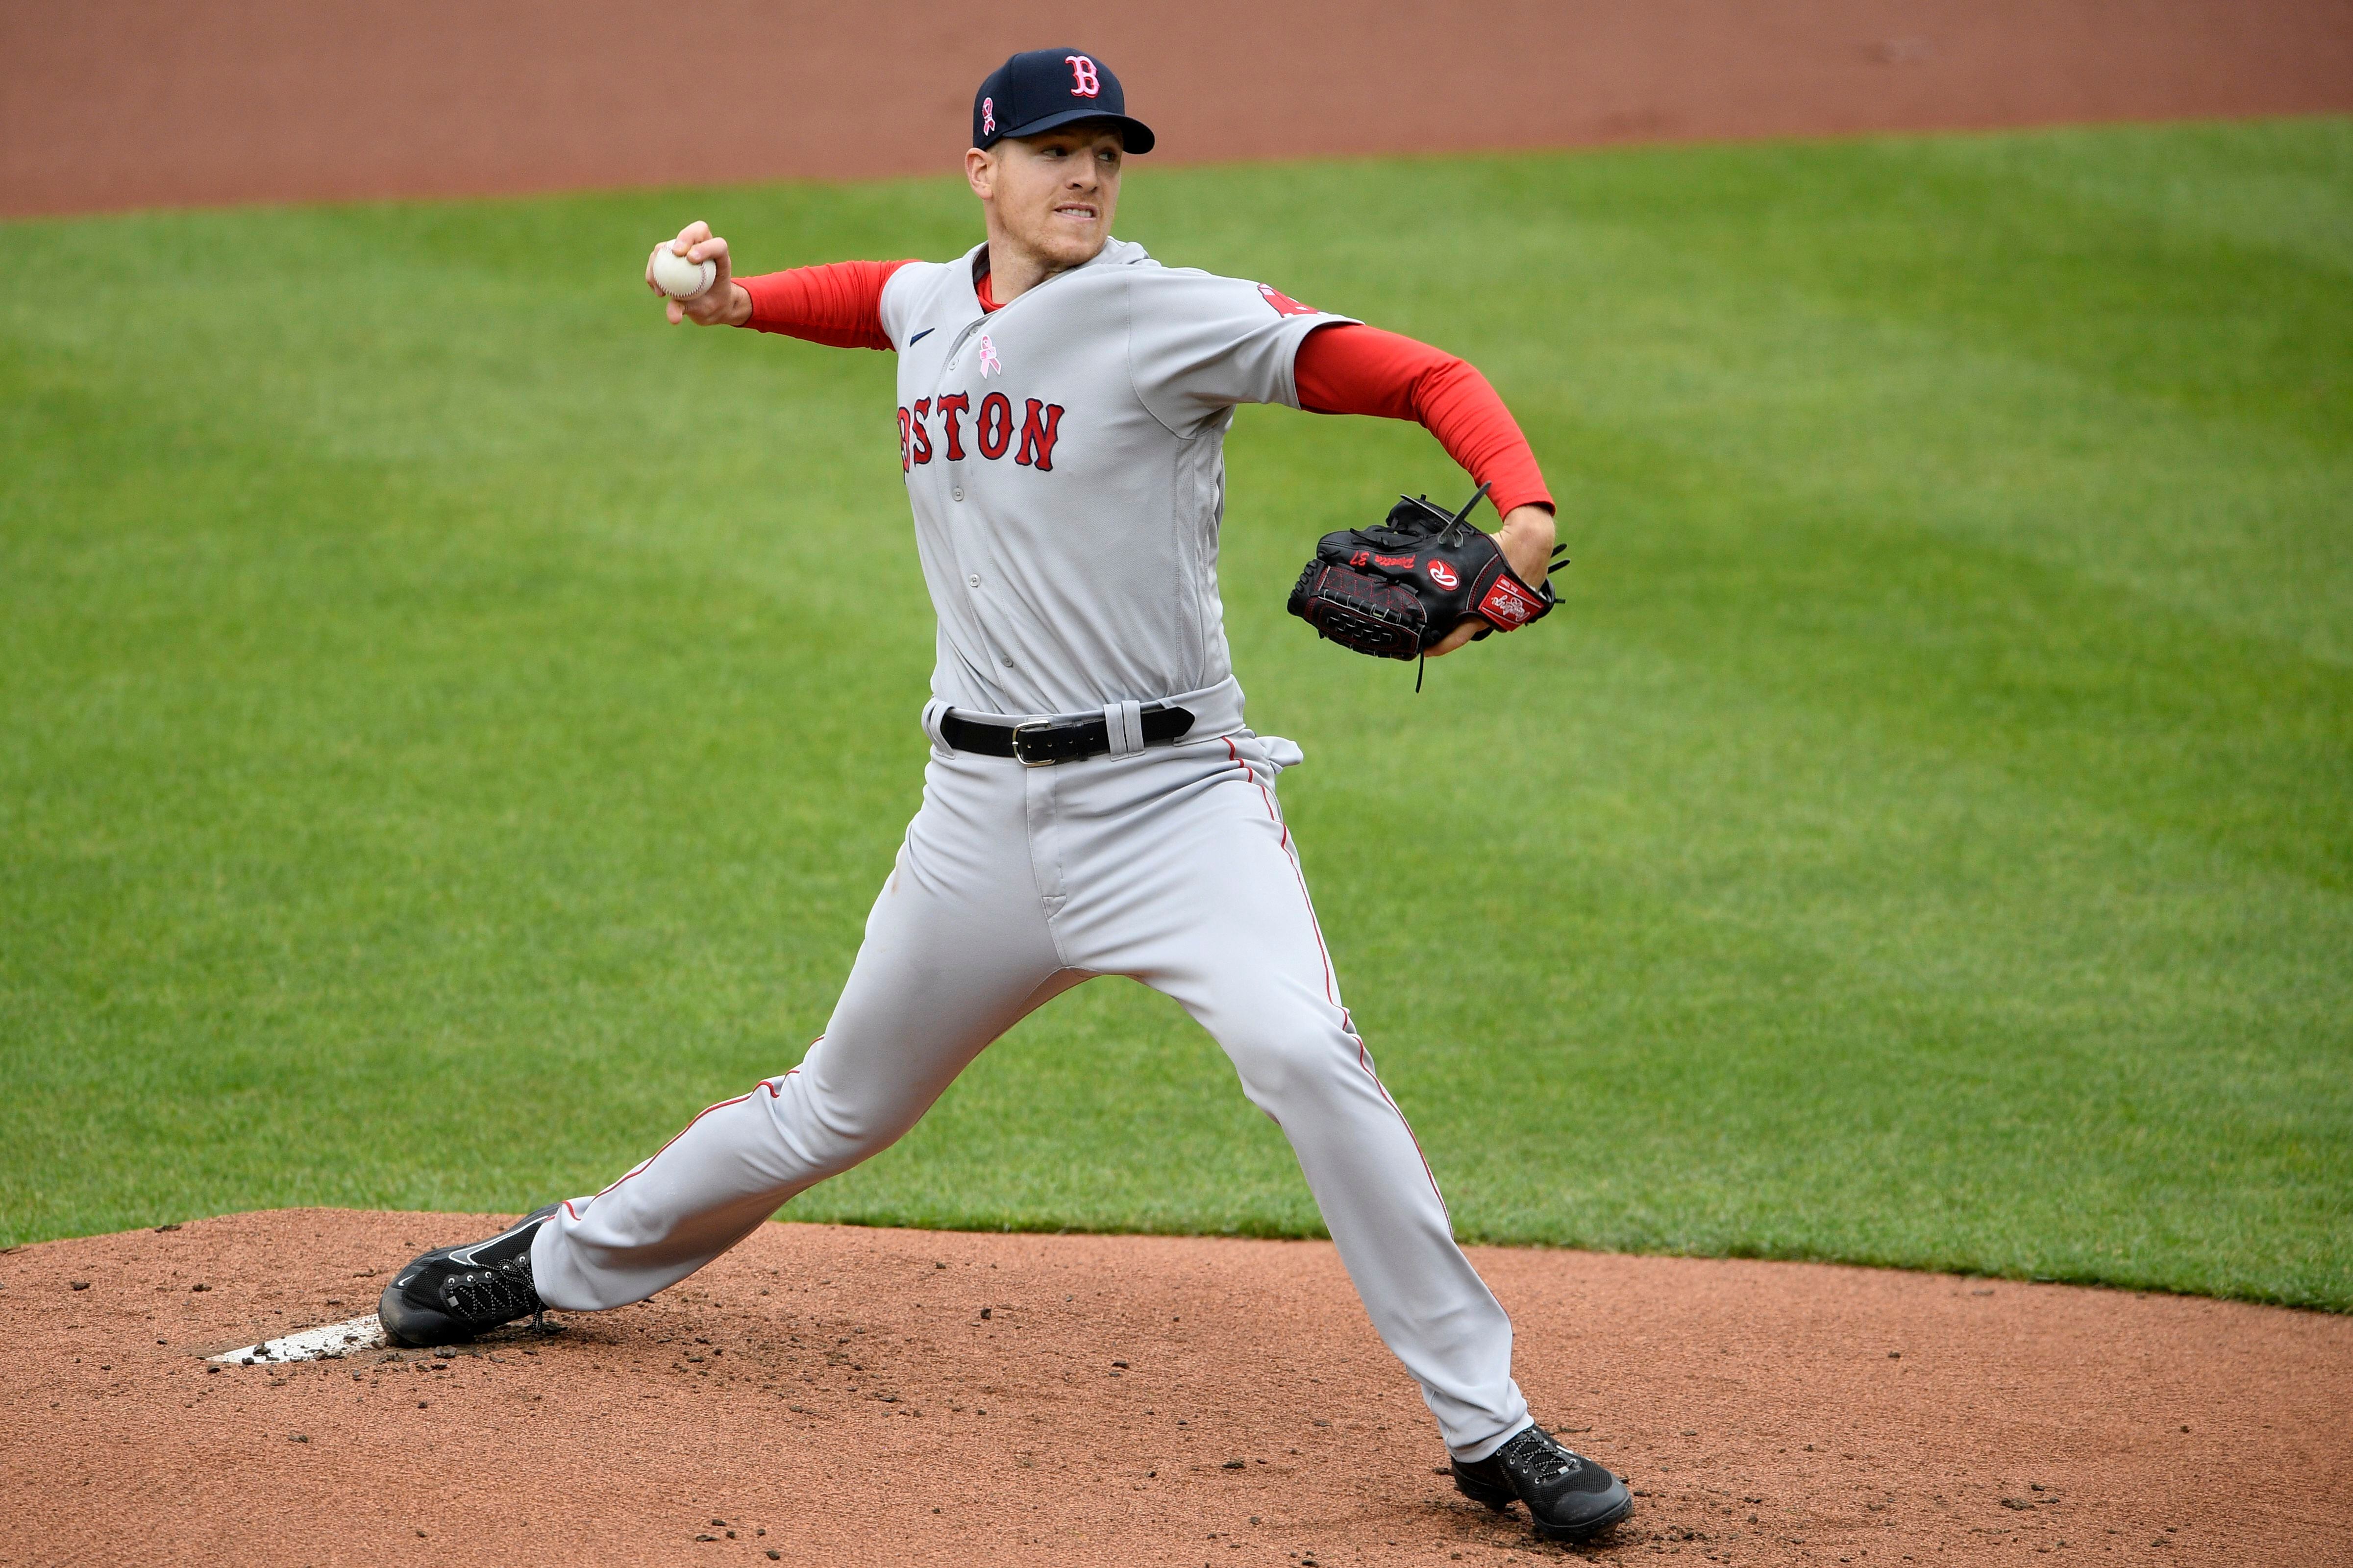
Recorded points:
(454, 725)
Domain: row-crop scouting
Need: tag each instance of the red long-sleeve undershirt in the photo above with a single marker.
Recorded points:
(838, 304)
(1344, 368)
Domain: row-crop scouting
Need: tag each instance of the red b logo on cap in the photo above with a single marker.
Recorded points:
(1084, 83)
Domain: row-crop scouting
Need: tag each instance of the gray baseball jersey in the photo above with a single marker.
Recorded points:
(1065, 458)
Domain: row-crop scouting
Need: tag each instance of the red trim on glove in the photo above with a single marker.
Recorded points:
(1346, 368)
(838, 304)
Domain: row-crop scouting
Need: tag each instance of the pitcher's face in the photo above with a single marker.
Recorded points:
(1054, 193)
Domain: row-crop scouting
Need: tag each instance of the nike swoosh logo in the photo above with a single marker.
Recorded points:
(919, 337)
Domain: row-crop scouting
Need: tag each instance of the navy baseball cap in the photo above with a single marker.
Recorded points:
(1038, 89)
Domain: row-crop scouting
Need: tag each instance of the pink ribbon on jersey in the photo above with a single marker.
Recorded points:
(989, 363)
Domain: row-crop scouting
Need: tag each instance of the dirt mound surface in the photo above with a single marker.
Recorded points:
(115, 103)
(826, 1394)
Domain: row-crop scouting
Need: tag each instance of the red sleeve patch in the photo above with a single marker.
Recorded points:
(1283, 304)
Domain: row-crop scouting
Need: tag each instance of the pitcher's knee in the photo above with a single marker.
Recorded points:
(831, 1137)
(1307, 1061)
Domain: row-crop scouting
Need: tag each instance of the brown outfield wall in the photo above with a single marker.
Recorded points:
(119, 103)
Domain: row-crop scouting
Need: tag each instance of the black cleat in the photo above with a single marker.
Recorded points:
(453, 1293)
(1569, 1496)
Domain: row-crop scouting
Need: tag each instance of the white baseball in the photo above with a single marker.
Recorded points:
(680, 279)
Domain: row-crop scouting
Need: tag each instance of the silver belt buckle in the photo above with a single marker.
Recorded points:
(1020, 754)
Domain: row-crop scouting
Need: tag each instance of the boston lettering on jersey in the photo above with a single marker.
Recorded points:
(992, 429)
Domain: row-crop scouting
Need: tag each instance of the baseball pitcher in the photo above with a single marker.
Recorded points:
(1094, 802)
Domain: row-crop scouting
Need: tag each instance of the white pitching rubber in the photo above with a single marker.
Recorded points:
(310, 1345)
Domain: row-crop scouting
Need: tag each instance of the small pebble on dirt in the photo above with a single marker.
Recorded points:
(296, 1438)
(80, 1284)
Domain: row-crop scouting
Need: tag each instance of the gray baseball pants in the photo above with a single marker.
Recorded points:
(1171, 865)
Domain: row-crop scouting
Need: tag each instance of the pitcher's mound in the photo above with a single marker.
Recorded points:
(835, 1395)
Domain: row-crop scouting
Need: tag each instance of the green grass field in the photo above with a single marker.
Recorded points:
(451, 724)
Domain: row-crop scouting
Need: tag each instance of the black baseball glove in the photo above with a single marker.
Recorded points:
(1396, 591)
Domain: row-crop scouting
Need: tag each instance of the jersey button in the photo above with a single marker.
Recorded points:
(1008, 661)
(974, 579)
(957, 492)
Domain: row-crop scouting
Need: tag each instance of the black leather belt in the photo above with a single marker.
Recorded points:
(1044, 741)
